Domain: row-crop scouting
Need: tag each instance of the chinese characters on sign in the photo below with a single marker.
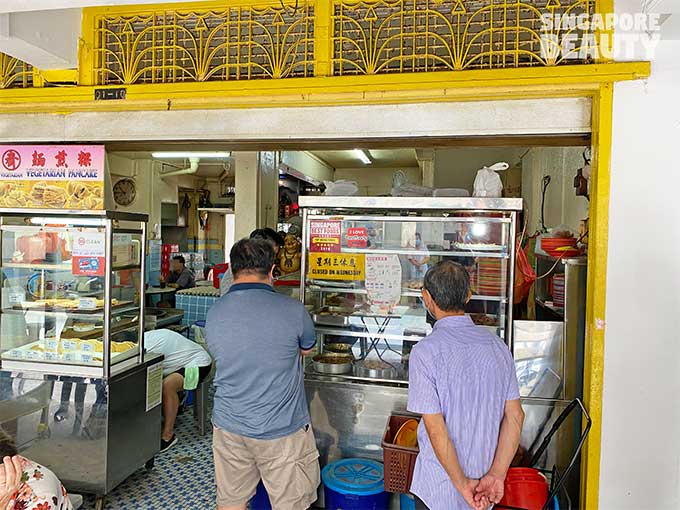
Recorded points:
(325, 236)
(336, 266)
(52, 176)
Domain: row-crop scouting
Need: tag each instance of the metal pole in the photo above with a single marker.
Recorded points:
(511, 284)
(142, 293)
(107, 299)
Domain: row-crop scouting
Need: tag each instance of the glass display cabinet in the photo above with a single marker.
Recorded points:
(71, 294)
(77, 387)
(364, 263)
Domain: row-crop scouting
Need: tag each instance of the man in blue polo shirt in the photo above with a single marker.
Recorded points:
(261, 420)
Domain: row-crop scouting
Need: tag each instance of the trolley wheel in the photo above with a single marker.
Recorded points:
(99, 503)
(150, 463)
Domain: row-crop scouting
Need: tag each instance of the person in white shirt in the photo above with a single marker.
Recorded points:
(185, 362)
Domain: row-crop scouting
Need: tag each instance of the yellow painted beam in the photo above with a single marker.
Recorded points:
(389, 88)
(598, 240)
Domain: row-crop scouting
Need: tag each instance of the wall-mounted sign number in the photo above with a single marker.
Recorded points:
(107, 94)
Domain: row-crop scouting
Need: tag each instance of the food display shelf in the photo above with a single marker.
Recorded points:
(404, 293)
(437, 253)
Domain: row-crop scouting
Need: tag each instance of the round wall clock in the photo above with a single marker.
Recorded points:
(125, 191)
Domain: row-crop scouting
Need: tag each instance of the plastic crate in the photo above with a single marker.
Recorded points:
(399, 461)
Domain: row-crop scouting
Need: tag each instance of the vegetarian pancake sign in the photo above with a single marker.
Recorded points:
(52, 176)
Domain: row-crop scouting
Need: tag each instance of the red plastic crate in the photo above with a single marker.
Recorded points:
(399, 461)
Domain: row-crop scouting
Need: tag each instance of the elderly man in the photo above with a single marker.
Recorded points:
(261, 419)
(462, 380)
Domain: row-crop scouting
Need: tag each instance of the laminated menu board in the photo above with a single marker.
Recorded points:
(383, 280)
(52, 176)
(325, 236)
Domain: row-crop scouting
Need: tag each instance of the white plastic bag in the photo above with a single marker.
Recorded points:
(488, 182)
(341, 188)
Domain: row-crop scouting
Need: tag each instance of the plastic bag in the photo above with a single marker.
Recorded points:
(525, 276)
(488, 182)
(411, 190)
(341, 188)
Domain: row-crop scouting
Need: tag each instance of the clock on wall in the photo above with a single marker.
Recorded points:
(125, 191)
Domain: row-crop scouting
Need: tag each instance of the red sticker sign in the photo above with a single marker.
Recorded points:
(325, 236)
(357, 237)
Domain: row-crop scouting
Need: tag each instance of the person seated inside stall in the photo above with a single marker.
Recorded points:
(268, 234)
(186, 365)
(181, 277)
(25, 485)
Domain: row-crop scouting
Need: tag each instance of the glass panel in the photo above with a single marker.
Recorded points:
(364, 276)
(53, 290)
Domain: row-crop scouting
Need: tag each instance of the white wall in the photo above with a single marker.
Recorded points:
(376, 181)
(562, 206)
(307, 164)
(640, 465)
(457, 168)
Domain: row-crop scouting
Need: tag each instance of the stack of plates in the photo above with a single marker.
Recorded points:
(490, 277)
(558, 290)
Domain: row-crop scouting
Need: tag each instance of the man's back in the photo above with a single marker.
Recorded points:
(466, 374)
(255, 336)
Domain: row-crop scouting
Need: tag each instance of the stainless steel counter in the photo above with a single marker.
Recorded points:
(93, 433)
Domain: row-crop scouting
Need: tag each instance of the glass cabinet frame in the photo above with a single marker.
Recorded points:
(63, 223)
(446, 219)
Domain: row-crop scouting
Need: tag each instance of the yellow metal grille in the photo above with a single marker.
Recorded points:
(402, 36)
(237, 43)
(14, 73)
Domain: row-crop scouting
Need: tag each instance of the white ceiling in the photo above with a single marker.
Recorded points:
(391, 158)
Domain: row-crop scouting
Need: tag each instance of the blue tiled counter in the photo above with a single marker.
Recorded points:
(196, 302)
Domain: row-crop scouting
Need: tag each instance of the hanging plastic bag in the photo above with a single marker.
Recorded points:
(488, 182)
(341, 188)
(525, 276)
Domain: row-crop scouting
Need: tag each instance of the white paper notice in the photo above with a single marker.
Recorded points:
(89, 243)
(383, 280)
(154, 385)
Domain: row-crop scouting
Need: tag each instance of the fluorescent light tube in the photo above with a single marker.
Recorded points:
(363, 156)
(187, 155)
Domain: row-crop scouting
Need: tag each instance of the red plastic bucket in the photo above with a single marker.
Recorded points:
(529, 494)
(525, 474)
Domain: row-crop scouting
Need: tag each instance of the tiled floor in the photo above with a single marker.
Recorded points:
(182, 478)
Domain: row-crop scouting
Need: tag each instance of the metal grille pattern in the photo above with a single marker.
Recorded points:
(403, 36)
(237, 43)
(14, 73)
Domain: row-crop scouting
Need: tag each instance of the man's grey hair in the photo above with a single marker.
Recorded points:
(448, 283)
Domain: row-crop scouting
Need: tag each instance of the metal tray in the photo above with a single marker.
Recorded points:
(371, 373)
(340, 319)
(332, 368)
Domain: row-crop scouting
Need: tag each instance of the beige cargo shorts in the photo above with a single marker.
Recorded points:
(288, 466)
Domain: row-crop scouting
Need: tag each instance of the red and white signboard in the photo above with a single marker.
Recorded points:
(89, 253)
(357, 237)
(52, 176)
(325, 236)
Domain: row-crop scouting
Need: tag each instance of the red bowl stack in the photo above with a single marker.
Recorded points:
(552, 245)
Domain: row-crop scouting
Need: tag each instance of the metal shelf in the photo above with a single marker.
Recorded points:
(430, 253)
(404, 293)
(327, 330)
(551, 308)
(76, 315)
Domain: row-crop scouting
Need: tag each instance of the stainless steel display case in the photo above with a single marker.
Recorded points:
(73, 373)
(347, 239)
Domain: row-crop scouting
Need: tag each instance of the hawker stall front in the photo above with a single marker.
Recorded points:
(364, 262)
(79, 394)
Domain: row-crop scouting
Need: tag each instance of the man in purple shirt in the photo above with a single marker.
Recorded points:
(462, 380)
